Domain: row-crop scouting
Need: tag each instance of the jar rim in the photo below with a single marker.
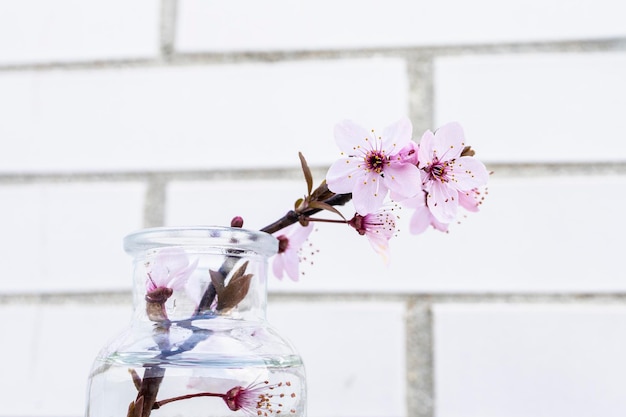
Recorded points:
(197, 236)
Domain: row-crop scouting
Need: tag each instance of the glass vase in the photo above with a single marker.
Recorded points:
(198, 344)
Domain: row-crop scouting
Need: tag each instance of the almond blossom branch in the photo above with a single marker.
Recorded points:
(293, 217)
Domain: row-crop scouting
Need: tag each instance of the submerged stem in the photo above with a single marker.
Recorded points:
(161, 403)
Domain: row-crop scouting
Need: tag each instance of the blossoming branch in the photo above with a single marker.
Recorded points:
(434, 177)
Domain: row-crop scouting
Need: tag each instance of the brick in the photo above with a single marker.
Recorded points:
(57, 346)
(19, 365)
(33, 31)
(192, 117)
(352, 351)
(246, 25)
(522, 360)
(536, 107)
(534, 234)
(67, 237)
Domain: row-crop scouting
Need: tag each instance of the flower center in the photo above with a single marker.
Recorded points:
(438, 170)
(376, 161)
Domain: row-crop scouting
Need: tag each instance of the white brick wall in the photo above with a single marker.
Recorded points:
(71, 30)
(118, 116)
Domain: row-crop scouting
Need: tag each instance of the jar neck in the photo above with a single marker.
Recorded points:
(180, 279)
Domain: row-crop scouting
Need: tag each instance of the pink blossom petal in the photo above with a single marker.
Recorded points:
(396, 136)
(287, 262)
(420, 220)
(442, 202)
(291, 265)
(381, 247)
(403, 179)
(179, 279)
(470, 200)
(348, 135)
(299, 234)
(425, 149)
(343, 174)
(408, 154)
(449, 141)
(278, 266)
(412, 202)
(469, 173)
(368, 195)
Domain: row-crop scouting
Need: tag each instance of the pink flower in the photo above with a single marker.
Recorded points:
(422, 217)
(445, 172)
(290, 241)
(470, 200)
(378, 227)
(169, 269)
(262, 399)
(373, 165)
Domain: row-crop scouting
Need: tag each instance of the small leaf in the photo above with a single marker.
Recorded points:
(468, 151)
(307, 173)
(234, 293)
(217, 279)
(323, 206)
(298, 203)
(135, 409)
(322, 193)
(240, 271)
(136, 378)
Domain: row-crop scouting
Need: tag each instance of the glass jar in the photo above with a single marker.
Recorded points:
(198, 344)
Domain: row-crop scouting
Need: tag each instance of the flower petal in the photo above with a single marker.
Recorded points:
(420, 220)
(403, 179)
(343, 175)
(278, 266)
(425, 149)
(291, 263)
(179, 278)
(442, 202)
(368, 195)
(349, 135)
(397, 136)
(449, 141)
(469, 173)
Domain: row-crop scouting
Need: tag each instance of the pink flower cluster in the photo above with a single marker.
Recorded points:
(434, 177)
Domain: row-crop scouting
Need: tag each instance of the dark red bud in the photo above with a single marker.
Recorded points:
(283, 243)
(237, 221)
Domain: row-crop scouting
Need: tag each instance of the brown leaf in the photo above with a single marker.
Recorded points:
(468, 151)
(307, 173)
(135, 409)
(136, 378)
(234, 293)
(240, 271)
(217, 279)
(323, 206)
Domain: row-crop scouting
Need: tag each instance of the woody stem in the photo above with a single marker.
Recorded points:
(161, 403)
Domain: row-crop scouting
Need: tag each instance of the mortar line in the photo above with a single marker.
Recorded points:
(203, 58)
(154, 202)
(419, 351)
(423, 298)
(421, 93)
(524, 170)
(169, 10)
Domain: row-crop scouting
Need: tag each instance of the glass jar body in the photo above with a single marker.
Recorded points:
(198, 343)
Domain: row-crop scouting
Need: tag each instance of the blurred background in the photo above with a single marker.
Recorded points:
(118, 115)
